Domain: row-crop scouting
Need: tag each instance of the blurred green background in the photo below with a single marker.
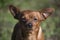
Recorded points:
(51, 26)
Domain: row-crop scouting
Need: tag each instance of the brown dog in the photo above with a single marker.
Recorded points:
(28, 27)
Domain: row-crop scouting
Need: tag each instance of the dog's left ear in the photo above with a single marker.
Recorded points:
(45, 13)
(14, 11)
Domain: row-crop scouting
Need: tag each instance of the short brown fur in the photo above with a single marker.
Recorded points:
(28, 27)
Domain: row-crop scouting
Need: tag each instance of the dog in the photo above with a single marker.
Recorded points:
(28, 26)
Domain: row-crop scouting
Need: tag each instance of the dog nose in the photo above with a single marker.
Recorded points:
(29, 25)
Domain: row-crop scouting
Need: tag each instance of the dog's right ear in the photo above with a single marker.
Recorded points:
(14, 11)
(46, 12)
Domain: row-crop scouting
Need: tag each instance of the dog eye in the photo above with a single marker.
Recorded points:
(35, 18)
(23, 19)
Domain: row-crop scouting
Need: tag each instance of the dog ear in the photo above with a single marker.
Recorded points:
(14, 11)
(45, 13)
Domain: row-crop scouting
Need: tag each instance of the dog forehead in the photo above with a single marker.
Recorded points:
(35, 13)
(32, 14)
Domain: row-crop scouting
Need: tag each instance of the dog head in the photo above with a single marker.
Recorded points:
(30, 18)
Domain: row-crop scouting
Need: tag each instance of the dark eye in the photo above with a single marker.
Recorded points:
(23, 19)
(35, 18)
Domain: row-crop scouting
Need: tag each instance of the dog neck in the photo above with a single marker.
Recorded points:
(39, 33)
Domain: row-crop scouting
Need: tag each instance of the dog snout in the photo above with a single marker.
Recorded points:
(29, 25)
